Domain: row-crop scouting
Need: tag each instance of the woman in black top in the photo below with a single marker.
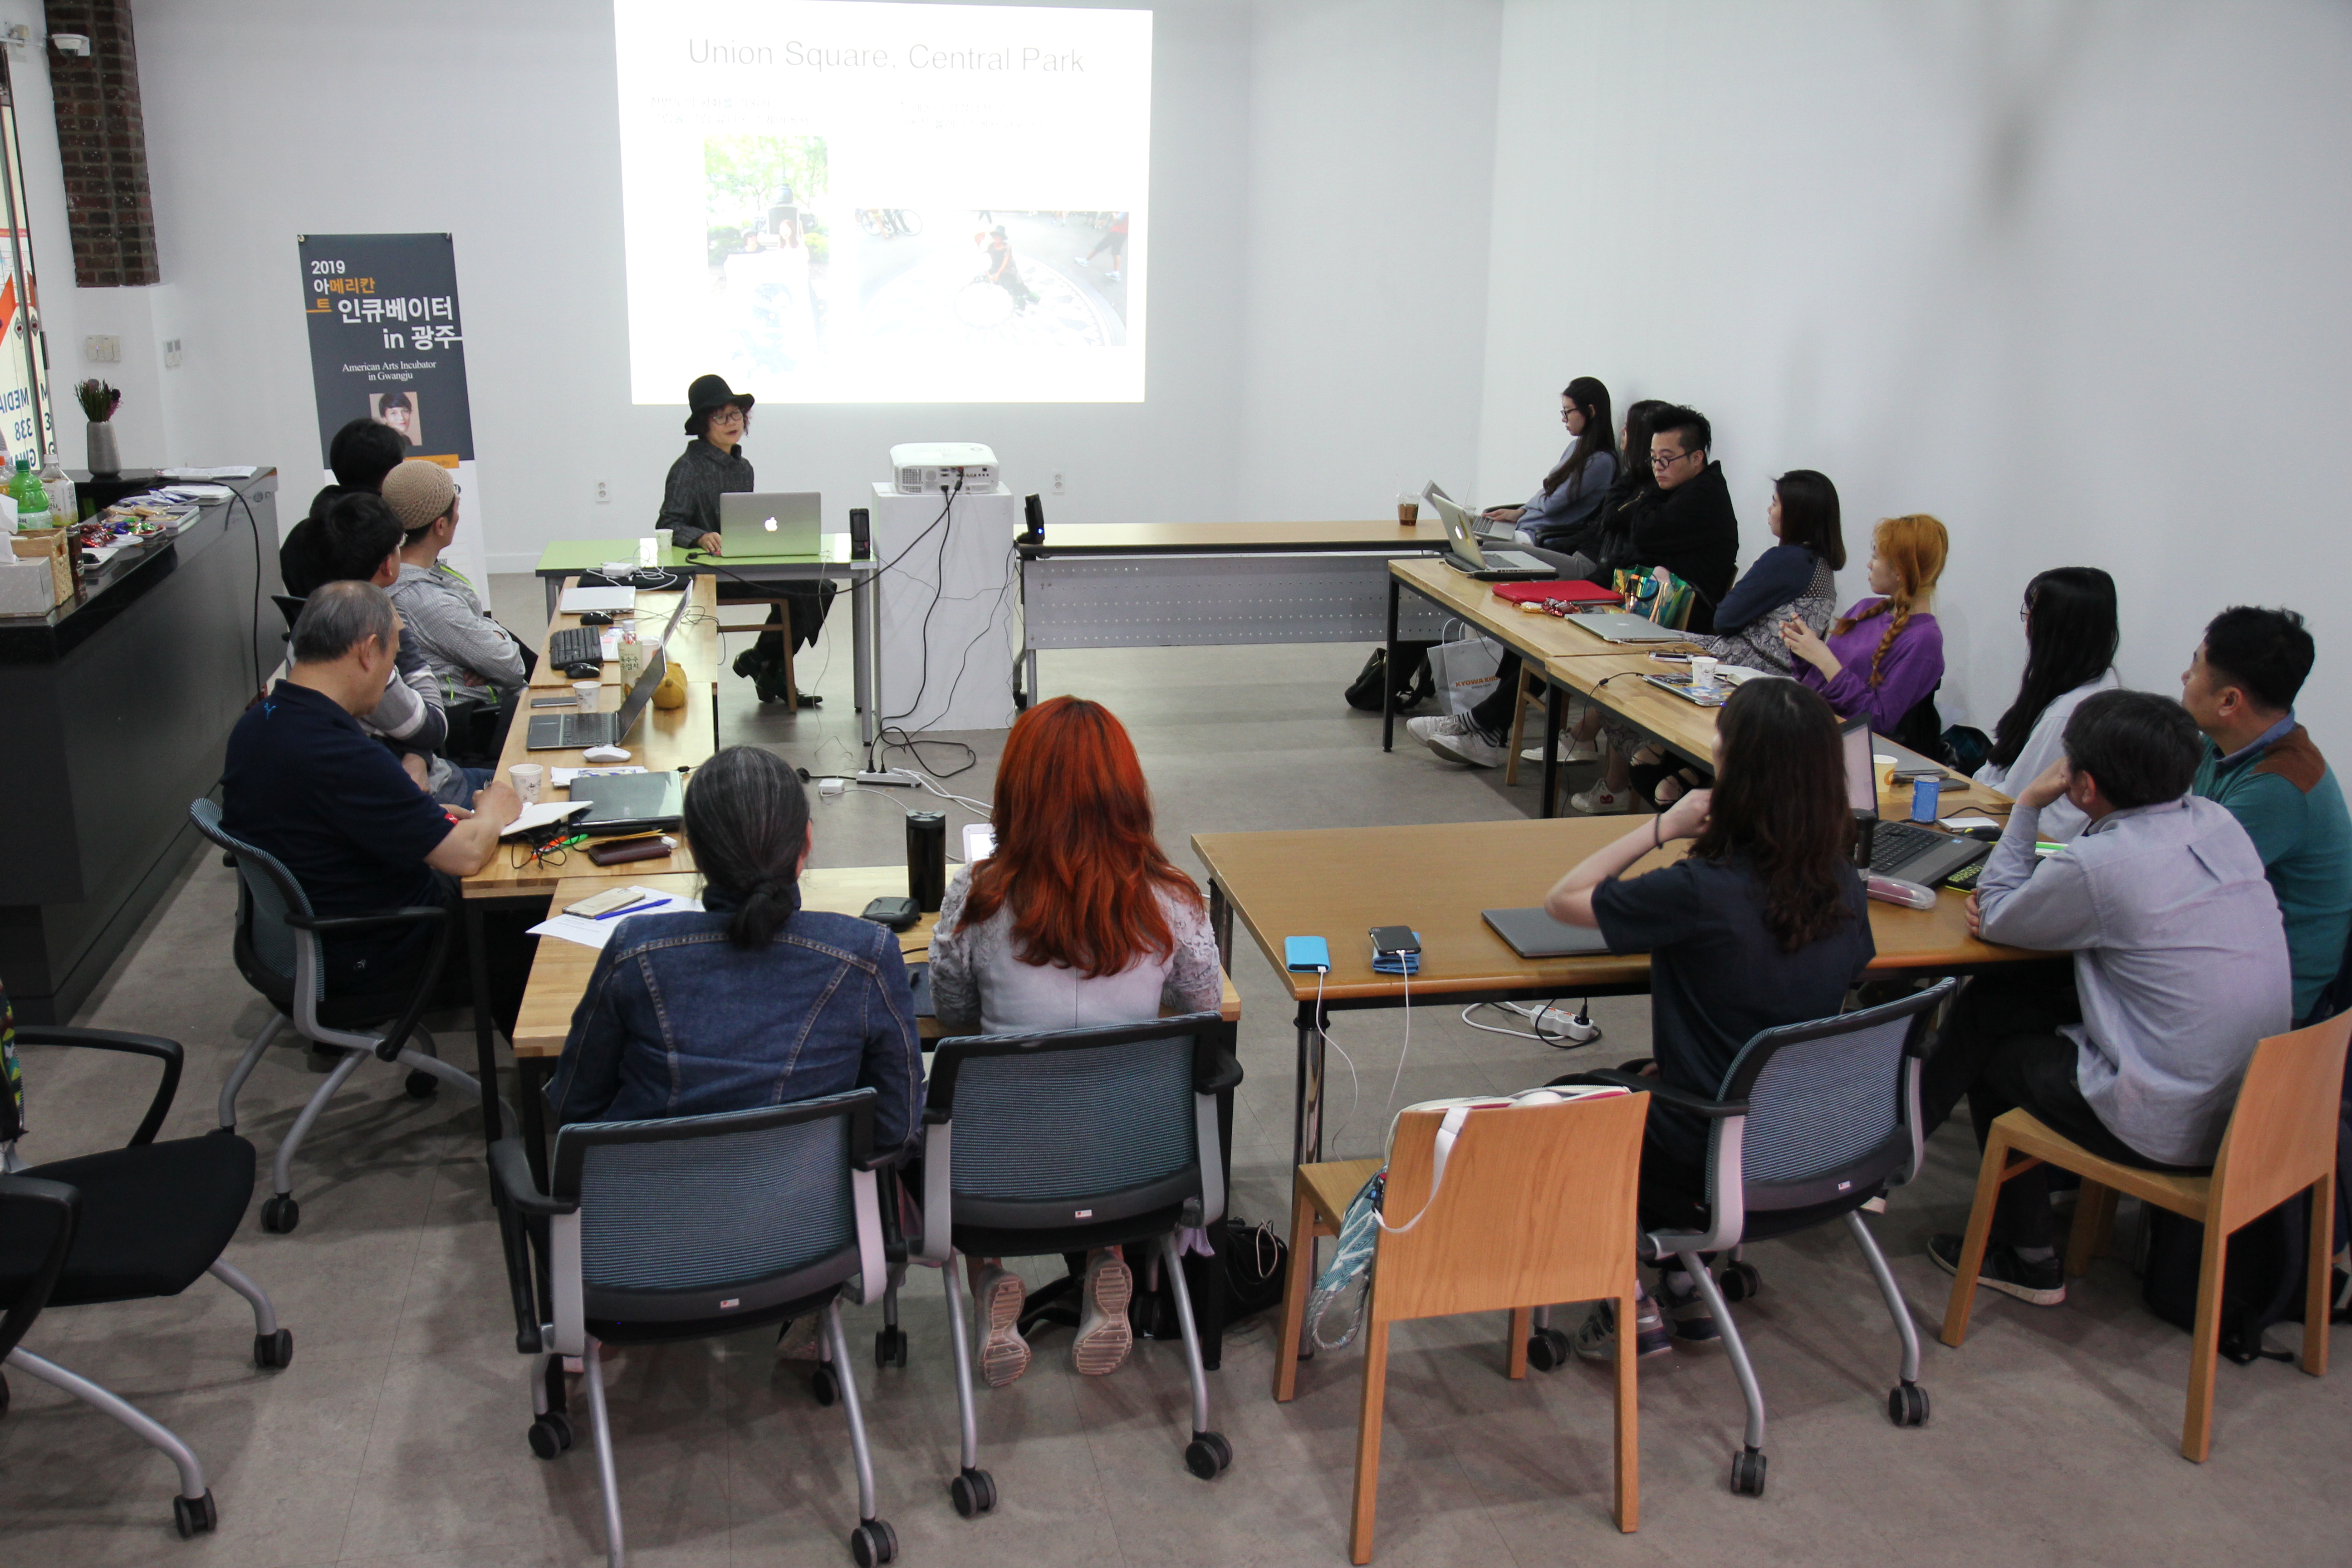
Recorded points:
(1762, 923)
(713, 465)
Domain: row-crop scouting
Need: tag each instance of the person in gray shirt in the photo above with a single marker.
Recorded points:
(2180, 968)
(476, 662)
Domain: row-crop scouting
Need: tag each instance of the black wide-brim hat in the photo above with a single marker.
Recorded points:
(710, 392)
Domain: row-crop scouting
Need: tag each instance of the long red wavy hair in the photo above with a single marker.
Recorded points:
(1075, 857)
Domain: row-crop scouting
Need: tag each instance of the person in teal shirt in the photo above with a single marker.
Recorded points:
(2261, 765)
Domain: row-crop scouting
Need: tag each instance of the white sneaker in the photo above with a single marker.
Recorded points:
(1571, 751)
(1104, 1334)
(1601, 801)
(1003, 1354)
(1455, 737)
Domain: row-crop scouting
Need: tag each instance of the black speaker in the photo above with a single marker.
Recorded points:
(926, 859)
(1034, 510)
(861, 535)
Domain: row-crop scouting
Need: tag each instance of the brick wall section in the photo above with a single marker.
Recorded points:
(102, 142)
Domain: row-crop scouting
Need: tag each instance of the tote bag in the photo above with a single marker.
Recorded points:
(1465, 672)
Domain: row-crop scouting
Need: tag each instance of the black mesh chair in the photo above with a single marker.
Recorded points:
(692, 1227)
(279, 945)
(126, 1225)
(1812, 1122)
(1067, 1141)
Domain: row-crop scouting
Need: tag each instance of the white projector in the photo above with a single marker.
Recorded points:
(925, 468)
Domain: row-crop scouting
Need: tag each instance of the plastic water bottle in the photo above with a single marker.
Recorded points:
(32, 501)
(632, 656)
(64, 504)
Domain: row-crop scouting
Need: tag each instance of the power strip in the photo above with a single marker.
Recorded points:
(899, 777)
(1559, 1022)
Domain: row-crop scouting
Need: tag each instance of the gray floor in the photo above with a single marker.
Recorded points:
(397, 1435)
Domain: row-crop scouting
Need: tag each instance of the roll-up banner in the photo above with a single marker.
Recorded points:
(388, 343)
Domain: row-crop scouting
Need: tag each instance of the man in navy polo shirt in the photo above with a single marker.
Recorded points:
(306, 783)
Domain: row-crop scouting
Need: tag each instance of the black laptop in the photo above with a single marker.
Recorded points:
(1535, 934)
(629, 803)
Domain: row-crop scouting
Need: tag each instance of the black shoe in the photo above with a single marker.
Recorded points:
(811, 700)
(753, 668)
(2041, 1284)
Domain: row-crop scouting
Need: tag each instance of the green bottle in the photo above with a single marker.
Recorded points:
(32, 500)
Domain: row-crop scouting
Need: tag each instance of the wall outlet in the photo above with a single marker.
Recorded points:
(604, 490)
(1059, 488)
(172, 354)
(103, 351)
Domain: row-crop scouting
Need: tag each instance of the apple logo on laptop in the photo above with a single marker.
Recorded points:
(771, 525)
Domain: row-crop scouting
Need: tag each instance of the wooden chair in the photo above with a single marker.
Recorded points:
(2281, 1141)
(1538, 1206)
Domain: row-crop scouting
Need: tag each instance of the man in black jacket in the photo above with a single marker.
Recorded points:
(1686, 525)
(362, 453)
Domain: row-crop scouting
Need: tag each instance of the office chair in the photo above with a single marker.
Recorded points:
(1811, 1121)
(290, 606)
(279, 950)
(1065, 1141)
(131, 1223)
(693, 1226)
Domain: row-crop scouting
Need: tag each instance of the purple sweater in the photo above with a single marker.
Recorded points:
(1910, 670)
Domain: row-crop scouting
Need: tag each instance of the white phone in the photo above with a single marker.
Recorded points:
(979, 842)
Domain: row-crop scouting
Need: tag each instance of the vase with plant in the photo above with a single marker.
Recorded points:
(100, 401)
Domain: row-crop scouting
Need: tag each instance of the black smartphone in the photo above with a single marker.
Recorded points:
(1389, 940)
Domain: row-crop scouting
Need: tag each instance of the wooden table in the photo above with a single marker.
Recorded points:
(697, 642)
(1537, 638)
(1339, 883)
(1616, 682)
(1193, 585)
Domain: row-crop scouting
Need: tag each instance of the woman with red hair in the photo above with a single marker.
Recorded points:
(1077, 919)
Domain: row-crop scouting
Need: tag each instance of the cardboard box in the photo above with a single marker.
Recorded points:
(51, 545)
(27, 587)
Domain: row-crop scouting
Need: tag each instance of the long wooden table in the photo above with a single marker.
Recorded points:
(1537, 638)
(1339, 883)
(1616, 682)
(696, 644)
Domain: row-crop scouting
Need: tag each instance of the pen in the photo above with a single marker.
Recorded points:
(630, 909)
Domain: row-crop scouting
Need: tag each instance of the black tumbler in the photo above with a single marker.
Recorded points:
(926, 859)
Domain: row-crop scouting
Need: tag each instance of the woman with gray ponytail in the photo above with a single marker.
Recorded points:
(759, 1000)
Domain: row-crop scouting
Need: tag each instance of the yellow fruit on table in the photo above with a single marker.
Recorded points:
(671, 692)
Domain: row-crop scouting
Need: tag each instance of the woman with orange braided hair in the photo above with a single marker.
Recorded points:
(1885, 655)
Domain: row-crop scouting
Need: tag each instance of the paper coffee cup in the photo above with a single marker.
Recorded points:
(530, 780)
(1701, 671)
(589, 695)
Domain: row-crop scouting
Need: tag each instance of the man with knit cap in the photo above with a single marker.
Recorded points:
(477, 662)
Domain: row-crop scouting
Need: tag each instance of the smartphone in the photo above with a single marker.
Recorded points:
(1672, 658)
(606, 902)
(1388, 941)
(565, 701)
(1911, 775)
(979, 842)
(1306, 954)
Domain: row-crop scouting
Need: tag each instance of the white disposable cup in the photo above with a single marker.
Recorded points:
(1701, 671)
(530, 780)
(589, 695)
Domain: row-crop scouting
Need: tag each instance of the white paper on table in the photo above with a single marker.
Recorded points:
(590, 932)
(541, 814)
(1960, 824)
(562, 777)
(233, 471)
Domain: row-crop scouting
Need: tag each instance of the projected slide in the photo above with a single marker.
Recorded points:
(836, 201)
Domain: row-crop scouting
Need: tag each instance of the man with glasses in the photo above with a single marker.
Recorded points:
(1686, 525)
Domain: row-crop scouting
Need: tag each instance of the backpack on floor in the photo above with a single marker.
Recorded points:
(1413, 685)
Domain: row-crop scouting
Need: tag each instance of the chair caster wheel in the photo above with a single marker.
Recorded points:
(1547, 1350)
(890, 1347)
(827, 1388)
(194, 1516)
(1906, 1405)
(274, 1351)
(422, 1085)
(1207, 1454)
(872, 1542)
(1748, 1473)
(1741, 1281)
(974, 1493)
(280, 1215)
(550, 1435)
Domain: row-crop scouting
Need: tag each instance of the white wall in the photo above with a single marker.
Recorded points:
(2069, 276)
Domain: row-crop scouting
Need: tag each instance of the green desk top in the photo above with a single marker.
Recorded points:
(566, 556)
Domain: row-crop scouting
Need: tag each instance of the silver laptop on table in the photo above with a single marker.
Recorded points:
(1910, 851)
(756, 525)
(575, 731)
(1622, 626)
(1471, 560)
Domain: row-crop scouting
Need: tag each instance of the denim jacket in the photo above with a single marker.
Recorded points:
(678, 1021)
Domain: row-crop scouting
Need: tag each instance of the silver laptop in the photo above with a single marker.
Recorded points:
(576, 731)
(1485, 565)
(1485, 527)
(757, 526)
(1911, 851)
(1621, 625)
(1535, 934)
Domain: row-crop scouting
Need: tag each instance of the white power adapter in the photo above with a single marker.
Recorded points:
(830, 789)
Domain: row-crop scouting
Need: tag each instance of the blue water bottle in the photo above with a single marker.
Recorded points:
(1924, 799)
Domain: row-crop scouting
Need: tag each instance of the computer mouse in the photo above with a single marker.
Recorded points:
(597, 618)
(605, 754)
(584, 670)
